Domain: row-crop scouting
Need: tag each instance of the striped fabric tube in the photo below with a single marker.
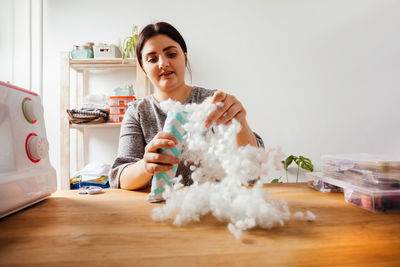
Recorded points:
(173, 125)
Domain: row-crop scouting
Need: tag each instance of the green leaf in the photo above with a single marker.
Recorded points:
(276, 180)
(134, 29)
(129, 44)
(289, 161)
(132, 50)
(134, 44)
(124, 50)
(306, 164)
(123, 44)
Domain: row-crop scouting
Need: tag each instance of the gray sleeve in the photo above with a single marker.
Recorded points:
(131, 145)
(260, 142)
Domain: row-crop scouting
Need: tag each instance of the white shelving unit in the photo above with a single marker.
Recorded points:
(81, 68)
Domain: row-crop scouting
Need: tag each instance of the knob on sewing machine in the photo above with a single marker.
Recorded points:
(37, 147)
(31, 110)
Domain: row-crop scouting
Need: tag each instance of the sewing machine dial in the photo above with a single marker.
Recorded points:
(31, 110)
(37, 147)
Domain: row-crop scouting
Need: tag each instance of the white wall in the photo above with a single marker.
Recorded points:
(316, 77)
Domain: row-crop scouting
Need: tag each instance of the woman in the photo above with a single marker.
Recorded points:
(162, 54)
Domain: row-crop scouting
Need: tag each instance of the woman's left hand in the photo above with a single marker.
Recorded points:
(230, 109)
(224, 114)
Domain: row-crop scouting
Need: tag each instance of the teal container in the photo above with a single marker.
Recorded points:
(81, 53)
(124, 92)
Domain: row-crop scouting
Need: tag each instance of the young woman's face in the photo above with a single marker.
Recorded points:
(164, 62)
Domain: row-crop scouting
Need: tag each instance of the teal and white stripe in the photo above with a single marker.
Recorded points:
(173, 125)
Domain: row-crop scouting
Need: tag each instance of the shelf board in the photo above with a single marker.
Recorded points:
(101, 64)
(98, 125)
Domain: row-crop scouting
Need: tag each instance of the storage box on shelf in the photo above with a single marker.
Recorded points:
(118, 106)
(81, 68)
(102, 50)
(121, 100)
(116, 118)
(118, 109)
(124, 91)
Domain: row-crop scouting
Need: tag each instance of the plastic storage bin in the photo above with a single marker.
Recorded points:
(121, 100)
(373, 199)
(124, 92)
(106, 51)
(81, 53)
(315, 180)
(364, 169)
(116, 118)
(118, 109)
(367, 197)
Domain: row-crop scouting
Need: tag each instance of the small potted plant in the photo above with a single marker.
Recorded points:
(129, 45)
(301, 161)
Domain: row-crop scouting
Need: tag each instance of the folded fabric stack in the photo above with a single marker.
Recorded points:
(92, 174)
(76, 183)
(89, 115)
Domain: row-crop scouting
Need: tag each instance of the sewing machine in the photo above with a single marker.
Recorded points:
(26, 176)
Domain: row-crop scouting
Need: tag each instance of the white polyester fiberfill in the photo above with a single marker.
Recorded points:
(221, 173)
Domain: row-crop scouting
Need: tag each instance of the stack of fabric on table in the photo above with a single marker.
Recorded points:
(93, 174)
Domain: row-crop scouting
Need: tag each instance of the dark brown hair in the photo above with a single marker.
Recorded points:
(152, 30)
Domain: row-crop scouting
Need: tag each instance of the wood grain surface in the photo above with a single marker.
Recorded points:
(115, 229)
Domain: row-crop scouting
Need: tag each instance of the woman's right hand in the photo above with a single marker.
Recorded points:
(154, 161)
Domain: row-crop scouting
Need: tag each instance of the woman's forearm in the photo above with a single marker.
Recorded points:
(246, 136)
(134, 176)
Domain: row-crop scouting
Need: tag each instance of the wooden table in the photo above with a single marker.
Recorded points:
(115, 228)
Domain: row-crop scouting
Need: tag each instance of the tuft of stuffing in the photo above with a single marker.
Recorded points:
(299, 216)
(307, 216)
(235, 231)
(221, 173)
(310, 216)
